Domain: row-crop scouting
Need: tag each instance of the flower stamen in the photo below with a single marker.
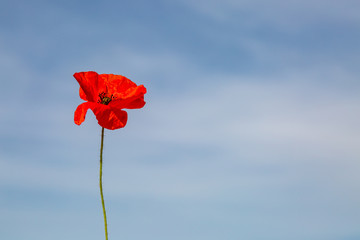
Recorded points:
(104, 99)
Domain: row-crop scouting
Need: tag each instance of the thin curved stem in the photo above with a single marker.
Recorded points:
(100, 183)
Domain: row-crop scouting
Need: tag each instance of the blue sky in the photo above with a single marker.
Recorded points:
(250, 129)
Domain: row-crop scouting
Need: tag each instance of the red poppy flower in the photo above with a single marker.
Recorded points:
(106, 96)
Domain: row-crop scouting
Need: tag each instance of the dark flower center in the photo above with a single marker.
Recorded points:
(104, 99)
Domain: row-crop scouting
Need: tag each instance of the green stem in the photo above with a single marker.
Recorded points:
(100, 182)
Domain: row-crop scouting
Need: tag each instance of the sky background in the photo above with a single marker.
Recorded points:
(251, 128)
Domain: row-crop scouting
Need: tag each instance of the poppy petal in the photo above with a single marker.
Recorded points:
(107, 117)
(112, 118)
(117, 84)
(82, 94)
(81, 110)
(90, 85)
(134, 98)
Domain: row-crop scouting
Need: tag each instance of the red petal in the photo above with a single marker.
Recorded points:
(83, 95)
(90, 85)
(81, 110)
(112, 118)
(116, 84)
(107, 117)
(133, 98)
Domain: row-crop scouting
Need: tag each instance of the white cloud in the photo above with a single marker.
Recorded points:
(275, 147)
(248, 123)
